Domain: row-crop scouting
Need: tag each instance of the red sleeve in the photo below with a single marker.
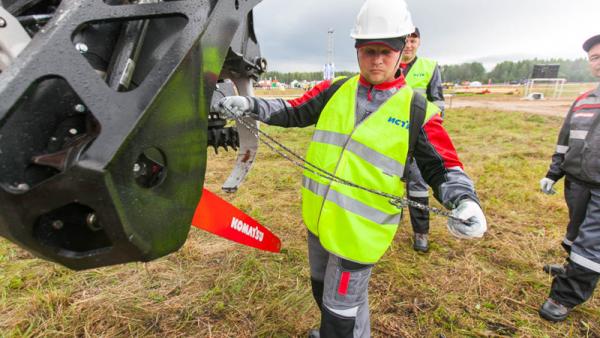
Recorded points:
(311, 94)
(442, 144)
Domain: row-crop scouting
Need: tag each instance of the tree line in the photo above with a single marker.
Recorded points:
(507, 71)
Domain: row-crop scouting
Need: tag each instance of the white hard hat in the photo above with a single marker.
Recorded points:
(383, 19)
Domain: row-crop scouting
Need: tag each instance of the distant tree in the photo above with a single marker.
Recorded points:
(576, 70)
(477, 71)
(501, 72)
(572, 70)
(473, 71)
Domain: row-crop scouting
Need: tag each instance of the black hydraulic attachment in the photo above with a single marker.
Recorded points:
(105, 122)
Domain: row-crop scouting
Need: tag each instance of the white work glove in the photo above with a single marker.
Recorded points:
(232, 107)
(547, 185)
(471, 212)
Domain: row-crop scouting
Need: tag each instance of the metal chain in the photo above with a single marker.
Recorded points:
(397, 201)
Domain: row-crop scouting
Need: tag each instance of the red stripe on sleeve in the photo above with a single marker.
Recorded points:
(318, 89)
(441, 142)
(344, 281)
(587, 106)
(584, 95)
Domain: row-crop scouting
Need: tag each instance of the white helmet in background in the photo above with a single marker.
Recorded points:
(382, 19)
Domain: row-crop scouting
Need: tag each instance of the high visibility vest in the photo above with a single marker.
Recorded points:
(352, 223)
(420, 75)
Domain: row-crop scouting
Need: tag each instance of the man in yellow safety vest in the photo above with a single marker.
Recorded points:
(424, 76)
(363, 135)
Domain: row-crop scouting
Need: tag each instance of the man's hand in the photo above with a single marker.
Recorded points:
(232, 107)
(471, 212)
(547, 185)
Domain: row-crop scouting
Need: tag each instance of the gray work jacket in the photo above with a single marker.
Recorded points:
(578, 148)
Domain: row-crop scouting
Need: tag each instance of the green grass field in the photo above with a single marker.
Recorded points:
(214, 288)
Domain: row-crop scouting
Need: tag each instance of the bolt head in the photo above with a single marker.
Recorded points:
(2, 23)
(92, 222)
(81, 47)
(91, 219)
(80, 108)
(58, 224)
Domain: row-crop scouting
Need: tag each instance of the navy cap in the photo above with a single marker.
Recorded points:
(591, 42)
(396, 44)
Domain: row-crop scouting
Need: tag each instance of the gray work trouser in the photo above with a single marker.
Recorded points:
(582, 242)
(418, 191)
(340, 288)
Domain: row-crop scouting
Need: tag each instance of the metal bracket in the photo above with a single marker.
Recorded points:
(248, 142)
(13, 38)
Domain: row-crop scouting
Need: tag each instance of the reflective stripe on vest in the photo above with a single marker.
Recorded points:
(352, 223)
(420, 74)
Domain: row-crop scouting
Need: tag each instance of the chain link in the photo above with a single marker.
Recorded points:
(397, 201)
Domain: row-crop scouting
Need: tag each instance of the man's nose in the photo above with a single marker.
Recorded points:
(379, 58)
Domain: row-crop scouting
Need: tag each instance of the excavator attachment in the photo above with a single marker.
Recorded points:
(105, 121)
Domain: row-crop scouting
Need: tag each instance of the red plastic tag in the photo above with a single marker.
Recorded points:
(219, 217)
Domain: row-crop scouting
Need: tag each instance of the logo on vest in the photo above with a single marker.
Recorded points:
(247, 230)
(419, 75)
(400, 123)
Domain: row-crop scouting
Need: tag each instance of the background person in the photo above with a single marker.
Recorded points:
(577, 157)
(425, 77)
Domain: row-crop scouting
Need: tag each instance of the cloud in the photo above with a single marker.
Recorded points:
(293, 33)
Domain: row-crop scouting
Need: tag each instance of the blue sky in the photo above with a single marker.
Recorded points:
(293, 33)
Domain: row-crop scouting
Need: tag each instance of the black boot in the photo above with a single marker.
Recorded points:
(575, 286)
(421, 242)
(554, 311)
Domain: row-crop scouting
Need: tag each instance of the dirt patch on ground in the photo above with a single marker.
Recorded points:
(545, 107)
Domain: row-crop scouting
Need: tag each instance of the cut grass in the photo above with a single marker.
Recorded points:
(214, 288)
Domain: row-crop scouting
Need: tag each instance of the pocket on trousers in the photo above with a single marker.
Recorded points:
(352, 285)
